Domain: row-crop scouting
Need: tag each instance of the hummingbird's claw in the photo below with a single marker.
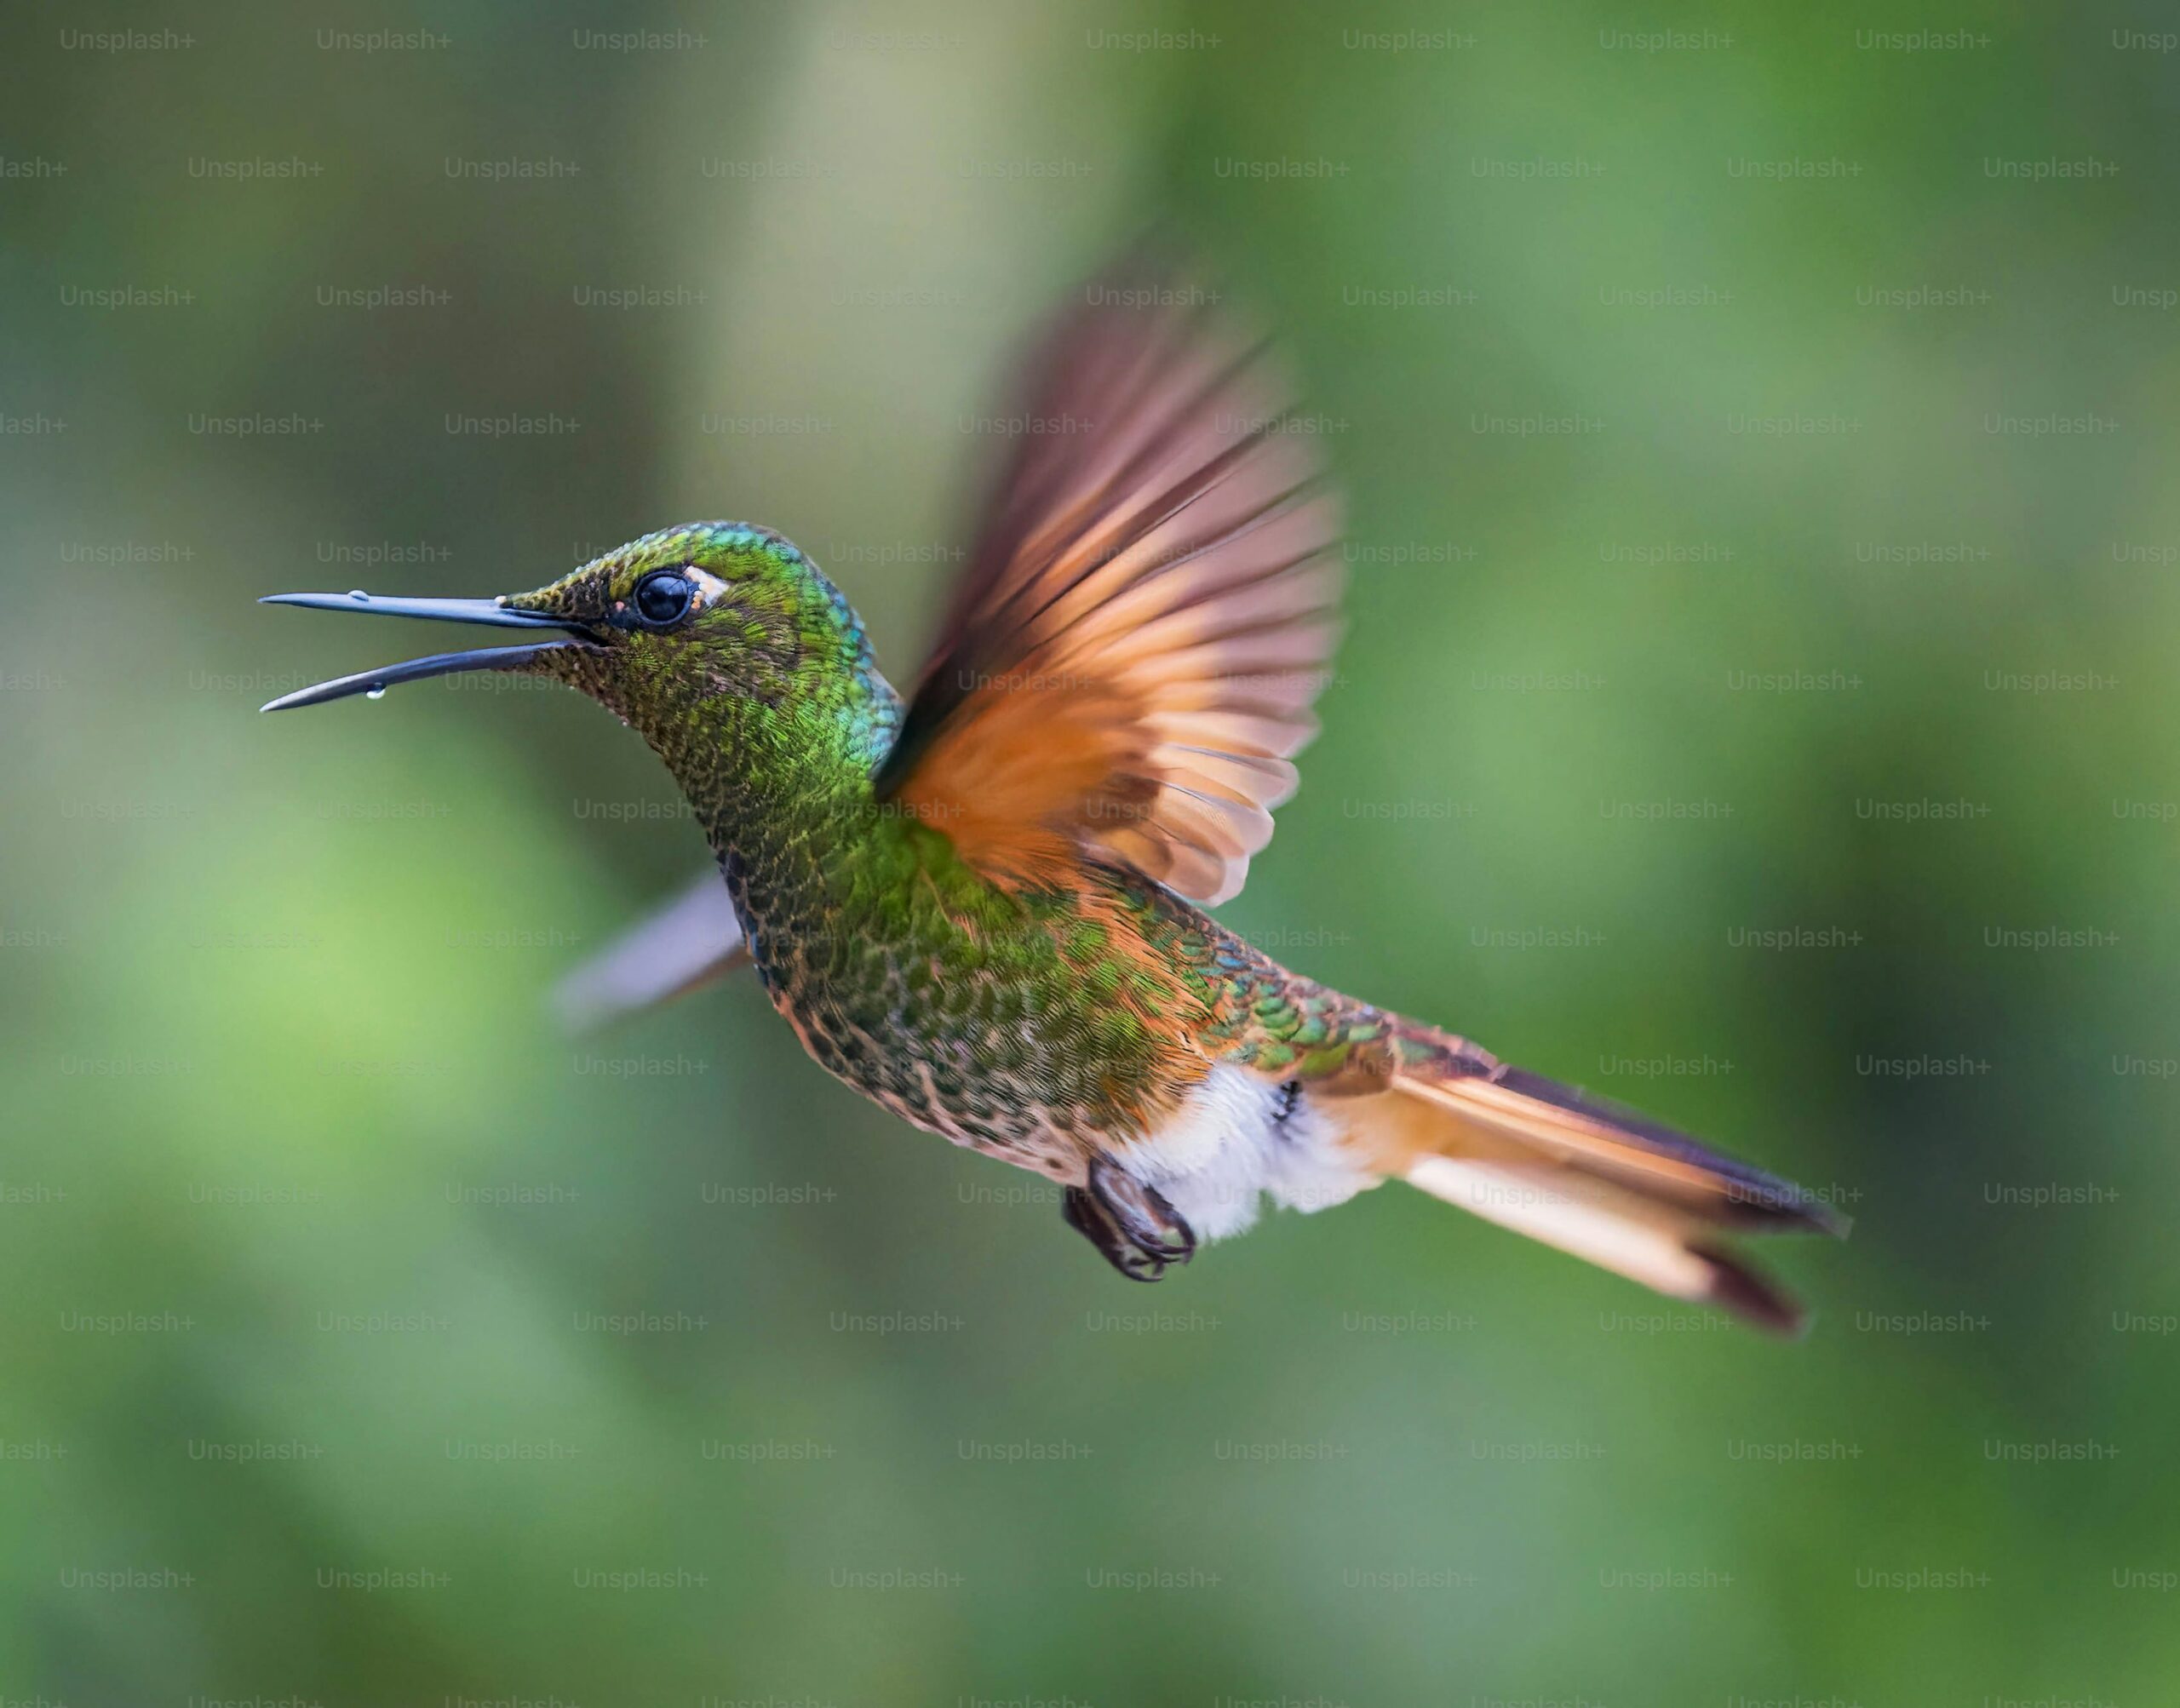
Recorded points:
(1138, 1231)
(1090, 1218)
(1150, 1223)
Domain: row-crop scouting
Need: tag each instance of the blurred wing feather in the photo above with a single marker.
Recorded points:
(683, 946)
(1128, 665)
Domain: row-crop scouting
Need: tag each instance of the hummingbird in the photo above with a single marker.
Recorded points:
(984, 906)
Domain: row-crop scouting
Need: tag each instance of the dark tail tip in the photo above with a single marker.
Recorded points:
(1752, 1296)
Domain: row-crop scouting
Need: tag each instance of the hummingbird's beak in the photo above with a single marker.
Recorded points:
(493, 613)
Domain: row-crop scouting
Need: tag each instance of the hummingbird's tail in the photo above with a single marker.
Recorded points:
(1584, 1175)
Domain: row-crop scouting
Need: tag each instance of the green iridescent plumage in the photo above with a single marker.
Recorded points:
(1012, 1019)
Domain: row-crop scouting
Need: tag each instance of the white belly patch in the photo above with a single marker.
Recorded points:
(1227, 1147)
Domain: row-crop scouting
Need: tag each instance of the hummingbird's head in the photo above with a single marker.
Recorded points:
(666, 631)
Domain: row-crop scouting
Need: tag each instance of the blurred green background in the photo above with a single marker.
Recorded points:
(1758, 705)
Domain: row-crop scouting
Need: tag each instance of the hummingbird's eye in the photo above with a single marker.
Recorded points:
(663, 597)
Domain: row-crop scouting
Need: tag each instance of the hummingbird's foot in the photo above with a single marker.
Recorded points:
(1151, 1224)
(1144, 1220)
(1091, 1219)
(1138, 1232)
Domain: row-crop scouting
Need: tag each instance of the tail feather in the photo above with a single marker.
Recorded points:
(1613, 1235)
(1581, 1174)
(1592, 1136)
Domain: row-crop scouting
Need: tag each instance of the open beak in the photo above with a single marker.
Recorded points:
(490, 612)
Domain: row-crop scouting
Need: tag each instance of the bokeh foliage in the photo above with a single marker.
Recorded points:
(309, 1217)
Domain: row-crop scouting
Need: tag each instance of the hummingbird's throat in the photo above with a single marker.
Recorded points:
(783, 793)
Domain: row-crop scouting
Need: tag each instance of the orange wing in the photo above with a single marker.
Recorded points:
(1128, 662)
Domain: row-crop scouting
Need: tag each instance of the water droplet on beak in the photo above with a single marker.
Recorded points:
(374, 693)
